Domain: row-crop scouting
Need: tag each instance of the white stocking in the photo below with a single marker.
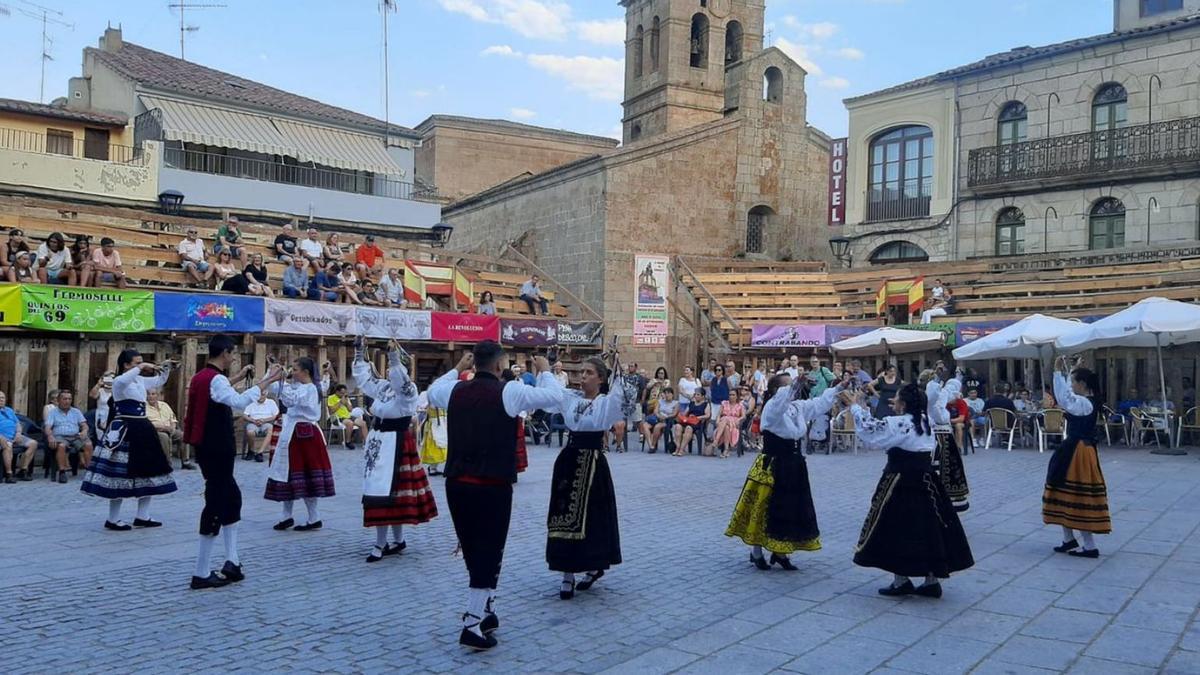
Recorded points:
(476, 605)
(1089, 542)
(1068, 534)
(398, 533)
(230, 533)
(287, 508)
(380, 536)
(310, 503)
(757, 551)
(202, 560)
(114, 510)
(143, 510)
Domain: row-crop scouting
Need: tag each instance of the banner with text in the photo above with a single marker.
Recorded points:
(208, 313)
(652, 279)
(970, 332)
(947, 329)
(87, 310)
(838, 333)
(837, 181)
(448, 327)
(399, 324)
(529, 332)
(10, 305)
(578, 333)
(792, 335)
(309, 318)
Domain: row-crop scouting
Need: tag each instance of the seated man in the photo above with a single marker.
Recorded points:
(1000, 399)
(350, 418)
(106, 264)
(1134, 400)
(260, 419)
(368, 259)
(391, 288)
(975, 407)
(193, 256)
(67, 432)
(167, 426)
(326, 285)
(531, 293)
(959, 414)
(296, 281)
(14, 444)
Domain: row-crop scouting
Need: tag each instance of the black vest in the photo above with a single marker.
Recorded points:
(482, 438)
(1083, 427)
(219, 438)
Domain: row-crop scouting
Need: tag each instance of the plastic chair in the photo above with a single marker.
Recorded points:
(1000, 421)
(1053, 423)
(1189, 422)
(1115, 419)
(334, 425)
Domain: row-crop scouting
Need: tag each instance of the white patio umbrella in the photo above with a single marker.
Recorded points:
(886, 341)
(1028, 338)
(1153, 322)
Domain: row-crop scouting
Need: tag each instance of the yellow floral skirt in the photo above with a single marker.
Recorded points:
(749, 521)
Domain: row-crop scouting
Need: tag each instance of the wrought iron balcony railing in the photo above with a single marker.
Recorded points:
(1158, 147)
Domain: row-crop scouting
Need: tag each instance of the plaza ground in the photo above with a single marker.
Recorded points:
(77, 598)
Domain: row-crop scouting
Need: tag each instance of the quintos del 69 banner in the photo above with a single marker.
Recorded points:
(87, 310)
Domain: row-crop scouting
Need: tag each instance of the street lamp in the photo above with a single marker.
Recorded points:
(441, 234)
(840, 247)
(169, 201)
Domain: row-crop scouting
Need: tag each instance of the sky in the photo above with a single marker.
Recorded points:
(554, 63)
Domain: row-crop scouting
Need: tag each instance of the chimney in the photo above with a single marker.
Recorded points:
(111, 40)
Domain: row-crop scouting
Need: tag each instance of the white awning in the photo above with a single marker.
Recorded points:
(223, 127)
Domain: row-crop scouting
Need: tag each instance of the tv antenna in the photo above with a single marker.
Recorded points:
(386, 7)
(184, 29)
(47, 16)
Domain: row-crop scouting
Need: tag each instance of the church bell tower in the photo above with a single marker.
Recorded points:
(676, 54)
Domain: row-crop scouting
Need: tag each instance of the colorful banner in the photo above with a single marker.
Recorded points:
(970, 332)
(574, 333)
(529, 332)
(399, 324)
(448, 327)
(793, 335)
(838, 333)
(303, 317)
(946, 328)
(208, 313)
(10, 305)
(87, 310)
(652, 279)
(837, 181)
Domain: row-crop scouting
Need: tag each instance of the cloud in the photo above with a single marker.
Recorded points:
(522, 113)
(470, 8)
(608, 32)
(834, 83)
(819, 31)
(546, 19)
(800, 54)
(851, 53)
(600, 78)
(500, 50)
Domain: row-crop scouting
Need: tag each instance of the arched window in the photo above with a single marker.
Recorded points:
(1106, 224)
(733, 42)
(635, 132)
(654, 38)
(1109, 107)
(638, 51)
(773, 85)
(901, 180)
(757, 223)
(698, 55)
(1010, 232)
(1010, 128)
(898, 251)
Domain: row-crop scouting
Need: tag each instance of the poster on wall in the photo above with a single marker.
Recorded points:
(398, 324)
(309, 318)
(793, 335)
(450, 327)
(10, 305)
(652, 280)
(208, 313)
(529, 332)
(970, 332)
(948, 329)
(87, 310)
(838, 333)
(577, 333)
(837, 181)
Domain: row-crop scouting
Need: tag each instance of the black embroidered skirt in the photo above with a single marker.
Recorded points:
(912, 528)
(950, 468)
(583, 535)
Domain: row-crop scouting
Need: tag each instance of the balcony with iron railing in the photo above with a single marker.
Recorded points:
(1146, 151)
(66, 144)
(62, 163)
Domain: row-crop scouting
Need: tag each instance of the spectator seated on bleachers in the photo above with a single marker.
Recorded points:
(66, 432)
(54, 261)
(368, 259)
(193, 256)
(22, 270)
(229, 237)
(532, 295)
(285, 244)
(106, 263)
(8, 253)
(391, 289)
(296, 283)
(310, 249)
(326, 285)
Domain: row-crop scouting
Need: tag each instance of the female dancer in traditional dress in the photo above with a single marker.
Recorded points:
(911, 530)
(775, 510)
(947, 458)
(433, 439)
(300, 467)
(395, 489)
(1076, 497)
(582, 521)
(130, 461)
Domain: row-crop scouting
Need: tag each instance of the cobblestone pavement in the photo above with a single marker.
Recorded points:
(77, 598)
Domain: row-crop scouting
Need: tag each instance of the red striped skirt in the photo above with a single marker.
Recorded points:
(411, 500)
(309, 471)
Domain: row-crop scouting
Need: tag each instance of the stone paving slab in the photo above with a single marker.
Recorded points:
(77, 598)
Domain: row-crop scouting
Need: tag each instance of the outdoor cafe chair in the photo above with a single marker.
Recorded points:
(1000, 421)
(1053, 423)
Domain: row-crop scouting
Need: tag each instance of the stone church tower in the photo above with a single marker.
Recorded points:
(676, 55)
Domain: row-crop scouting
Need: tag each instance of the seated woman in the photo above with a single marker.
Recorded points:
(661, 419)
(256, 277)
(729, 422)
(691, 420)
(350, 284)
(227, 276)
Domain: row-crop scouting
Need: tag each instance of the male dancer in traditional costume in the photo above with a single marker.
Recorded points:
(481, 467)
(208, 426)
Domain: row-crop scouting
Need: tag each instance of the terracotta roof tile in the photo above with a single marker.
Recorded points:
(42, 110)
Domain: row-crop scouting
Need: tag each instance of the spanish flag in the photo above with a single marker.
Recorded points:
(464, 291)
(414, 285)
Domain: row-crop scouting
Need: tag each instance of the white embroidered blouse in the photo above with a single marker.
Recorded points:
(394, 397)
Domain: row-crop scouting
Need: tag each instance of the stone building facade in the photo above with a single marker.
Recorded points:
(751, 181)
(1092, 144)
(465, 155)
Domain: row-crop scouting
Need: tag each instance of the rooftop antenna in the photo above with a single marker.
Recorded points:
(47, 16)
(386, 7)
(184, 29)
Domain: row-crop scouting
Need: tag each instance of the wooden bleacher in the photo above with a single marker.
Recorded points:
(147, 241)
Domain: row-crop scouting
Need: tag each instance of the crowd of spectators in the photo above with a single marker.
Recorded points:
(53, 262)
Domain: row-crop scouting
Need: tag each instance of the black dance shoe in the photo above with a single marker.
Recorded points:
(233, 573)
(1066, 546)
(118, 526)
(933, 590)
(395, 548)
(782, 561)
(962, 507)
(8, 479)
(567, 590)
(146, 522)
(258, 457)
(472, 640)
(284, 524)
(905, 588)
(213, 580)
(315, 525)
(588, 580)
(187, 466)
(490, 623)
(375, 557)
(760, 562)
(1085, 553)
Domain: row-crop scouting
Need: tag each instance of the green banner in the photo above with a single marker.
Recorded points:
(87, 310)
(949, 331)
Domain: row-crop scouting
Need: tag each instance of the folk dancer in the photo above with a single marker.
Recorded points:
(911, 528)
(775, 510)
(300, 467)
(1076, 497)
(395, 489)
(208, 426)
(130, 461)
(947, 457)
(481, 467)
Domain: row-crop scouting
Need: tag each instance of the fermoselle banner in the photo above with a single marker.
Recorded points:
(10, 305)
(87, 310)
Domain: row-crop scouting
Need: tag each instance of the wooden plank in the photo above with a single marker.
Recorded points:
(20, 394)
(83, 366)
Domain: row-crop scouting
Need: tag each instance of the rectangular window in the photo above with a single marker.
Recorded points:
(59, 142)
(1010, 239)
(95, 143)
(1152, 7)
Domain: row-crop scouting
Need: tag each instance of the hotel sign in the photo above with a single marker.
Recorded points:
(837, 181)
